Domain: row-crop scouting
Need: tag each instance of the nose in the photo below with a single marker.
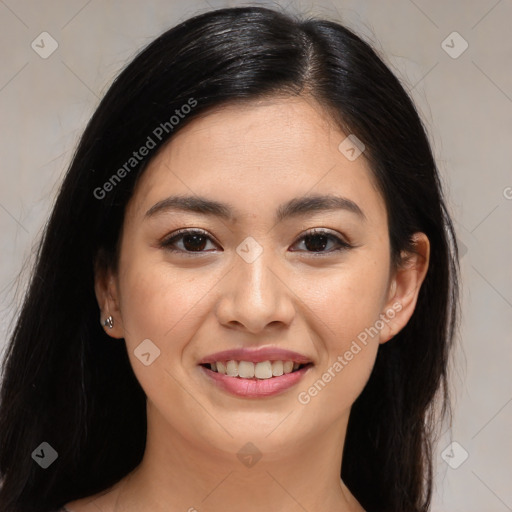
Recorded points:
(256, 296)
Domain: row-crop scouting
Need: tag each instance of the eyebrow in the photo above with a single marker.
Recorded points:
(293, 208)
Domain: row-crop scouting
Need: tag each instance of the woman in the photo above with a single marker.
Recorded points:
(246, 294)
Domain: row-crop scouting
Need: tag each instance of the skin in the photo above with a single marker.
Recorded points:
(253, 156)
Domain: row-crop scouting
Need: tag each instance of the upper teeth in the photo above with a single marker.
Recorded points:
(248, 370)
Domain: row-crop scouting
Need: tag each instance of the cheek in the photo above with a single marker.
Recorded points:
(145, 292)
(161, 306)
(347, 300)
(346, 307)
(330, 394)
(161, 303)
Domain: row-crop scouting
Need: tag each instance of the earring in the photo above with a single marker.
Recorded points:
(109, 322)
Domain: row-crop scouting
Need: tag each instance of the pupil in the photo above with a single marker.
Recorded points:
(196, 244)
(316, 246)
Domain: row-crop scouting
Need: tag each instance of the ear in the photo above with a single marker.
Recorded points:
(107, 294)
(405, 286)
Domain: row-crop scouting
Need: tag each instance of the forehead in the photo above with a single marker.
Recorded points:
(256, 154)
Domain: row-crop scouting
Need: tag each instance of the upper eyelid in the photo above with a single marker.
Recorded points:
(186, 231)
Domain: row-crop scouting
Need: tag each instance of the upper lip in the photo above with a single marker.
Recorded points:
(256, 355)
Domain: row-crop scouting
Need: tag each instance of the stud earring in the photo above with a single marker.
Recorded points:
(109, 322)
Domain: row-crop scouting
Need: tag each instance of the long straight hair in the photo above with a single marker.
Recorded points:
(66, 383)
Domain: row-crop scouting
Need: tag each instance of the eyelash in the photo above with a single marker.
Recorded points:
(178, 235)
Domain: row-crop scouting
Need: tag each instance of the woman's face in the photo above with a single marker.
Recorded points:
(253, 280)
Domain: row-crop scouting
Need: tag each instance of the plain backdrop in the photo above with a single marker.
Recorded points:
(456, 59)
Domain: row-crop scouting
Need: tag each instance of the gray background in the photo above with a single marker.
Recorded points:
(466, 104)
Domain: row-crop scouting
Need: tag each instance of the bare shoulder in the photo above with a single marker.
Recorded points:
(104, 501)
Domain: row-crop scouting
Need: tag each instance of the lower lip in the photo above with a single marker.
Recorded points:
(255, 388)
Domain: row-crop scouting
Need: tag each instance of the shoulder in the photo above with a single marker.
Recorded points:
(82, 505)
(103, 501)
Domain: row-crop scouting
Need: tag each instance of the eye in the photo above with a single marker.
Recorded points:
(317, 240)
(193, 240)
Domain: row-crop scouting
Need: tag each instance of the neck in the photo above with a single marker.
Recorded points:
(178, 473)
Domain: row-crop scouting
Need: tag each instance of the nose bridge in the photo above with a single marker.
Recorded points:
(256, 278)
(255, 296)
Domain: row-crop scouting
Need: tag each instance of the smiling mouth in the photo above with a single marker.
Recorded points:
(256, 371)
